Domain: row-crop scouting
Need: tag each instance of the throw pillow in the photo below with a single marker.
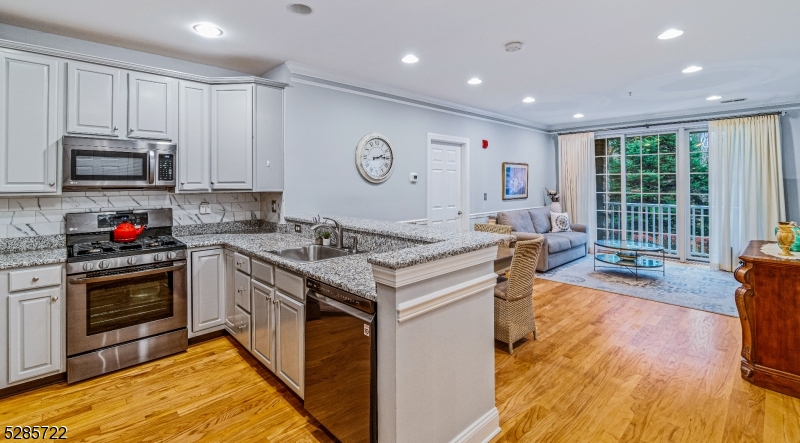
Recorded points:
(541, 219)
(560, 221)
(519, 221)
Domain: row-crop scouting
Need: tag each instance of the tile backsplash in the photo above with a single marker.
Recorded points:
(33, 216)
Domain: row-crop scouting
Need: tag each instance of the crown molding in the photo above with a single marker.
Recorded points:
(26, 47)
(309, 75)
(669, 118)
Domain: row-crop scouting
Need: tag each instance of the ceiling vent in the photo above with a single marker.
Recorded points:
(734, 100)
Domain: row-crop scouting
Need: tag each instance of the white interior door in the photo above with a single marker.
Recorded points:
(444, 184)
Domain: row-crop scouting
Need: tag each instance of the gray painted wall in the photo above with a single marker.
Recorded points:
(790, 138)
(15, 33)
(324, 125)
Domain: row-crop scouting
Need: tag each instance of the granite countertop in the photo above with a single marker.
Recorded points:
(351, 273)
(442, 242)
(32, 258)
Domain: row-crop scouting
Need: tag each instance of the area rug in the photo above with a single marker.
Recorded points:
(692, 286)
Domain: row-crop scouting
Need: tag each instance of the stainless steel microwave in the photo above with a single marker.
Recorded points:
(104, 163)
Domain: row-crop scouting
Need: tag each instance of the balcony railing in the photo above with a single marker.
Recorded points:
(658, 223)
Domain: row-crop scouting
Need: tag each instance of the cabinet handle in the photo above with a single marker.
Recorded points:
(52, 184)
(35, 279)
(241, 327)
(115, 128)
(130, 130)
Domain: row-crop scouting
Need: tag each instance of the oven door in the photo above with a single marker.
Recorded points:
(108, 167)
(106, 308)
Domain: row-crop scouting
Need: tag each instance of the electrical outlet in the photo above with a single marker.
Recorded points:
(205, 208)
(297, 228)
(274, 205)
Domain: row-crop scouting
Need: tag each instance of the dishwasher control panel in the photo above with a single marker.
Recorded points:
(355, 301)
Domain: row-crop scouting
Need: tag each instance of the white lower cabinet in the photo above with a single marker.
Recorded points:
(242, 328)
(242, 296)
(290, 340)
(34, 333)
(264, 324)
(208, 285)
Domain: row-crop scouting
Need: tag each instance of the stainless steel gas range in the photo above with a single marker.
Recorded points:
(126, 302)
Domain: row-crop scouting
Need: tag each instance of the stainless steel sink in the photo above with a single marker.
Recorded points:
(311, 253)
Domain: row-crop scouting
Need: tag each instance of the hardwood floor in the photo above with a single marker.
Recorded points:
(606, 368)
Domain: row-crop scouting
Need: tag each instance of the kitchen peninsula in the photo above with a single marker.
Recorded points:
(433, 290)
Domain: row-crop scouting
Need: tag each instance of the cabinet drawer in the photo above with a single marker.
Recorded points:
(263, 272)
(289, 283)
(34, 278)
(242, 290)
(242, 263)
(241, 327)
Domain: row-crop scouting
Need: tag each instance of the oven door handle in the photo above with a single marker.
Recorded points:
(83, 281)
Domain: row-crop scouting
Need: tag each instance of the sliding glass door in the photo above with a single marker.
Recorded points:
(640, 197)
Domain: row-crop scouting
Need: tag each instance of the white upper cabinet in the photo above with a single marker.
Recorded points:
(152, 106)
(194, 142)
(232, 137)
(269, 140)
(95, 99)
(28, 123)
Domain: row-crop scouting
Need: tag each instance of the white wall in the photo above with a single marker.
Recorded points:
(790, 138)
(324, 125)
(23, 35)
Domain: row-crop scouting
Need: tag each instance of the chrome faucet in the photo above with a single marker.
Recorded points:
(336, 226)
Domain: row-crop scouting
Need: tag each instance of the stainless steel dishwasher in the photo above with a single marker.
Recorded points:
(341, 363)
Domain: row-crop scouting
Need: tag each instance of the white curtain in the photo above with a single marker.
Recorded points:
(745, 182)
(576, 180)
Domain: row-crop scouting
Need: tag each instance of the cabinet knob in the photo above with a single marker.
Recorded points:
(35, 279)
(130, 130)
(115, 128)
(52, 184)
(55, 298)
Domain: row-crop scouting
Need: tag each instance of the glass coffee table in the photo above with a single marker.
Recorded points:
(629, 255)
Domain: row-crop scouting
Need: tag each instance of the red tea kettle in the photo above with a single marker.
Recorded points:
(126, 232)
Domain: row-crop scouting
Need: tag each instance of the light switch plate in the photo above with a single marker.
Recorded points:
(413, 177)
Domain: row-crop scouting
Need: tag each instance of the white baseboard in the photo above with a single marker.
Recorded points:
(482, 430)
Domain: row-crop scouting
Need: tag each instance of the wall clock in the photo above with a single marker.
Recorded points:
(374, 158)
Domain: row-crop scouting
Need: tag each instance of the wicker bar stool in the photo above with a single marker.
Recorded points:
(513, 299)
(495, 229)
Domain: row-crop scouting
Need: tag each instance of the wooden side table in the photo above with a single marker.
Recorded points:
(769, 309)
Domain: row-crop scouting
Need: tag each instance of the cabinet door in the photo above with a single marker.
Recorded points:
(268, 157)
(152, 106)
(232, 137)
(242, 290)
(95, 101)
(34, 333)
(290, 341)
(230, 292)
(28, 123)
(194, 142)
(264, 324)
(242, 328)
(208, 289)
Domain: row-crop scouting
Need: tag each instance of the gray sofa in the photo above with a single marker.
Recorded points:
(558, 248)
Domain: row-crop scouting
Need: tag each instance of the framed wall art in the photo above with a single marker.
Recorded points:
(515, 181)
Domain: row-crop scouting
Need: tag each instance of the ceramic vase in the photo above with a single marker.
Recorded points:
(327, 241)
(785, 237)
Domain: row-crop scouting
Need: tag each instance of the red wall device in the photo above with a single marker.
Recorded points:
(485, 144)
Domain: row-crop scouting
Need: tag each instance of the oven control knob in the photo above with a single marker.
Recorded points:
(88, 266)
(158, 257)
(132, 260)
(104, 264)
(170, 255)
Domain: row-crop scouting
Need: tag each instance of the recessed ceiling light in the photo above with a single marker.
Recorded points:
(299, 9)
(475, 81)
(528, 100)
(410, 58)
(207, 30)
(670, 33)
(691, 69)
(714, 97)
(578, 115)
